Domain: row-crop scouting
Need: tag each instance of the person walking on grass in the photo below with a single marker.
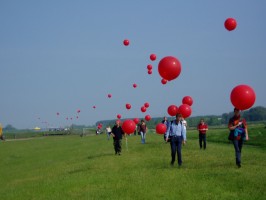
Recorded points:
(165, 122)
(202, 128)
(1, 132)
(238, 133)
(108, 132)
(177, 133)
(118, 134)
(142, 129)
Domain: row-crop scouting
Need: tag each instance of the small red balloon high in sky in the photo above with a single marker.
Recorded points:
(230, 24)
(135, 85)
(169, 68)
(243, 97)
(172, 110)
(128, 106)
(153, 57)
(126, 42)
(109, 95)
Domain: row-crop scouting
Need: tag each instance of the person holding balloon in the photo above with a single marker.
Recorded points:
(142, 129)
(177, 133)
(238, 133)
(202, 128)
(117, 133)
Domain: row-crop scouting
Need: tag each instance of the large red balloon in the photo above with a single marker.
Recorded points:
(230, 24)
(143, 109)
(128, 106)
(129, 126)
(172, 110)
(161, 128)
(187, 100)
(243, 97)
(147, 117)
(153, 57)
(126, 42)
(169, 68)
(185, 110)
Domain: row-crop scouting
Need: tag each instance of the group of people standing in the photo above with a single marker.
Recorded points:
(176, 135)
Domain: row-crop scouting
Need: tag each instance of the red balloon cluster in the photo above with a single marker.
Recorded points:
(161, 128)
(129, 126)
(169, 68)
(153, 57)
(149, 68)
(243, 97)
(230, 24)
(126, 42)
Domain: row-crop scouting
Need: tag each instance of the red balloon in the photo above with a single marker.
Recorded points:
(147, 105)
(143, 109)
(153, 57)
(128, 106)
(147, 117)
(172, 110)
(135, 85)
(136, 120)
(150, 71)
(169, 68)
(161, 128)
(94, 107)
(78, 111)
(243, 97)
(187, 100)
(230, 24)
(126, 42)
(149, 67)
(109, 95)
(163, 81)
(129, 126)
(118, 116)
(57, 113)
(77, 117)
(185, 110)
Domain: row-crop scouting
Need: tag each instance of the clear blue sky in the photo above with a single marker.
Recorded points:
(60, 56)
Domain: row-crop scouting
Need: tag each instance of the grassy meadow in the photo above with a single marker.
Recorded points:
(74, 167)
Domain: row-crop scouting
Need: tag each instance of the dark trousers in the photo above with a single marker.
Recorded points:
(238, 147)
(118, 146)
(176, 146)
(202, 137)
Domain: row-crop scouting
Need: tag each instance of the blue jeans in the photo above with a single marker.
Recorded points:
(202, 137)
(143, 136)
(176, 146)
(238, 147)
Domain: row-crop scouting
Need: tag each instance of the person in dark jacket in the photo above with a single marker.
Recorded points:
(118, 134)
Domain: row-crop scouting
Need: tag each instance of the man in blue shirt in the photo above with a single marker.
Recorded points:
(177, 133)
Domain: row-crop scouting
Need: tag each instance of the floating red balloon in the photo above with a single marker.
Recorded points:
(187, 100)
(109, 95)
(129, 126)
(128, 106)
(243, 97)
(147, 117)
(153, 57)
(185, 110)
(161, 128)
(172, 110)
(163, 81)
(149, 67)
(147, 105)
(136, 120)
(57, 113)
(94, 107)
(135, 85)
(126, 42)
(78, 111)
(143, 109)
(118, 116)
(230, 24)
(169, 68)
(149, 71)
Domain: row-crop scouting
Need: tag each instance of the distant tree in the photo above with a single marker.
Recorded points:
(9, 127)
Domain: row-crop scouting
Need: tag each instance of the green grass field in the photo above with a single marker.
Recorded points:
(73, 167)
